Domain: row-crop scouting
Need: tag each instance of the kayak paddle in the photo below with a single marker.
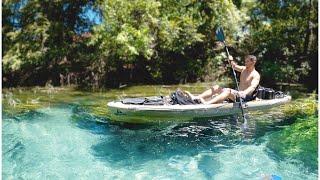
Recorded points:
(220, 37)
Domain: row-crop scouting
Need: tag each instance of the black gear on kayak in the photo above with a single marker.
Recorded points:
(182, 98)
(154, 100)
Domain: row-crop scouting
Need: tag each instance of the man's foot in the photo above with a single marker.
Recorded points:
(202, 101)
(195, 98)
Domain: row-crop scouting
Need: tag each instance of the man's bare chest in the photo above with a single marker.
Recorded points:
(246, 77)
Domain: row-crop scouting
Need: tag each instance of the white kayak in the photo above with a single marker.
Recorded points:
(156, 113)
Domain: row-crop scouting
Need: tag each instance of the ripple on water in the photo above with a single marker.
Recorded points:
(66, 142)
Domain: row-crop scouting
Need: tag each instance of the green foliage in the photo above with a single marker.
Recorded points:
(28, 44)
(299, 141)
(170, 39)
(128, 30)
(305, 107)
(164, 41)
(39, 38)
(284, 33)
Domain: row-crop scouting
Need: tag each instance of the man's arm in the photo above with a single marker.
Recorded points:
(236, 66)
(254, 84)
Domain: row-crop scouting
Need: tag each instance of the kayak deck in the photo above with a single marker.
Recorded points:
(156, 113)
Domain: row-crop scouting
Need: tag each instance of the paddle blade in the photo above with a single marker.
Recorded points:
(220, 34)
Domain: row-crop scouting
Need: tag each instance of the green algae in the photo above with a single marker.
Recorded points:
(296, 141)
(20, 100)
(300, 139)
(302, 107)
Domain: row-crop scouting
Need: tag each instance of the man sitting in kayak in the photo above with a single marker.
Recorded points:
(249, 81)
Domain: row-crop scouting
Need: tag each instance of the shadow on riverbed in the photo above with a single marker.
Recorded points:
(131, 145)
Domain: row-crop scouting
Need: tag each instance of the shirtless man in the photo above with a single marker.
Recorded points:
(249, 81)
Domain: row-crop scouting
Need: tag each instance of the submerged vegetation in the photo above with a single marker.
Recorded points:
(116, 43)
(303, 107)
(20, 100)
(113, 42)
(300, 140)
(297, 141)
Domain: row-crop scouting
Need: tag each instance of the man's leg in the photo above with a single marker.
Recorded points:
(194, 97)
(210, 92)
(207, 94)
(226, 93)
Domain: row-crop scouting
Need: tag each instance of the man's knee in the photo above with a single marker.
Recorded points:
(227, 91)
(231, 93)
(216, 89)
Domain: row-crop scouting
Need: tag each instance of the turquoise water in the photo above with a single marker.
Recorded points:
(66, 141)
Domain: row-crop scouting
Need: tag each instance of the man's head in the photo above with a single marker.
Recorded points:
(250, 61)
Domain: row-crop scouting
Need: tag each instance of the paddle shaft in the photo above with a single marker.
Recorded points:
(235, 78)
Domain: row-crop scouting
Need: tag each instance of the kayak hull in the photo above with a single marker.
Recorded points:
(130, 113)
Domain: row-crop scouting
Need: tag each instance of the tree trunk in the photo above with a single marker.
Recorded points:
(308, 31)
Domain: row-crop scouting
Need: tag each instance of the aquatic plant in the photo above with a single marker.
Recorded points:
(298, 141)
(302, 107)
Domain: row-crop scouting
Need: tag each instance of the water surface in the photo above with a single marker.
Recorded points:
(65, 134)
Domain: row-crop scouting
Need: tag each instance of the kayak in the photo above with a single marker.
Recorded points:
(132, 113)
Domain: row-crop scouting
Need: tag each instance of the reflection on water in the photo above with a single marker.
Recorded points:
(68, 141)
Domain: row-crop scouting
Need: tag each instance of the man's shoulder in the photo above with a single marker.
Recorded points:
(256, 73)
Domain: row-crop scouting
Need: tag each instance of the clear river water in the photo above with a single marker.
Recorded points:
(63, 133)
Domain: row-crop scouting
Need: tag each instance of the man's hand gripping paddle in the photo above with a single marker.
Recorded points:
(220, 37)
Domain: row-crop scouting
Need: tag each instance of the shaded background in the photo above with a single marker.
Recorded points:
(108, 43)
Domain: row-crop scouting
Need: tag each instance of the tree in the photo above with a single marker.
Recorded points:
(38, 37)
(285, 36)
(170, 40)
